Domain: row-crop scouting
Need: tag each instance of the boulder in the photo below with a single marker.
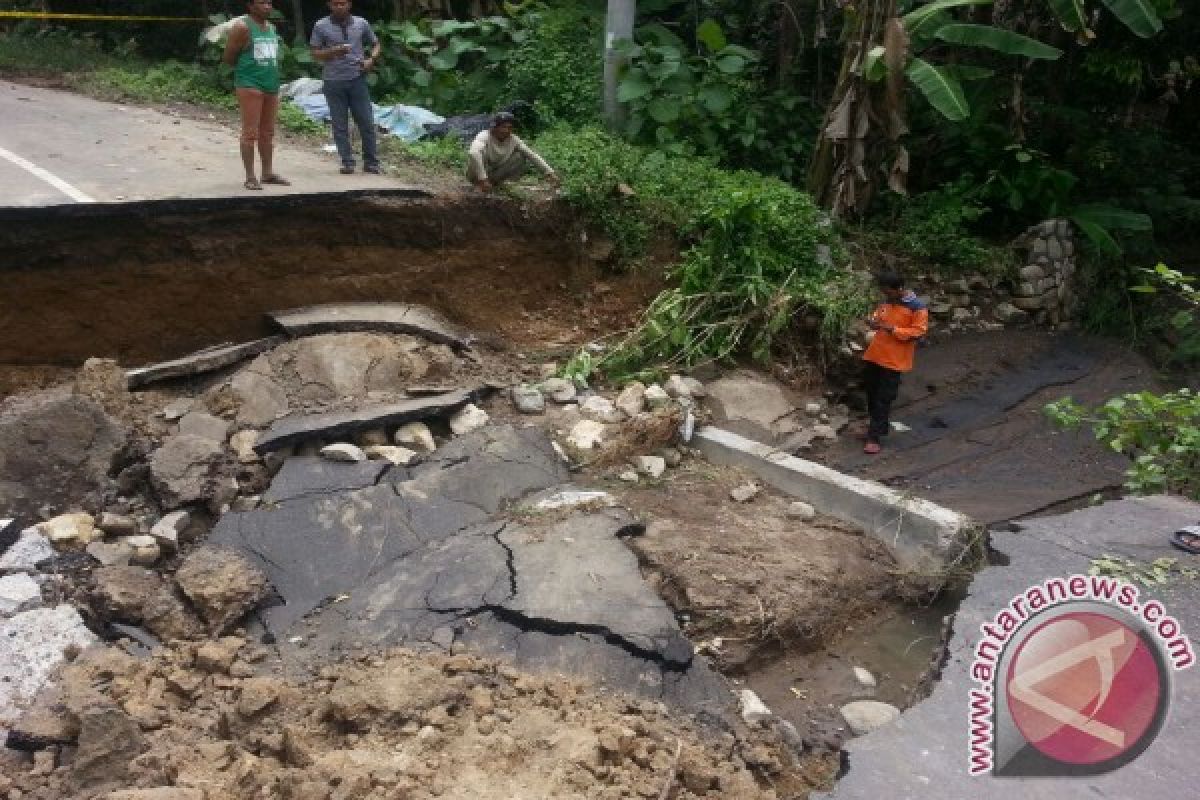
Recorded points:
(57, 448)
(417, 436)
(343, 452)
(864, 716)
(186, 469)
(111, 554)
(123, 592)
(222, 586)
(469, 418)
(260, 398)
(632, 399)
(528, 400)
(70, 531)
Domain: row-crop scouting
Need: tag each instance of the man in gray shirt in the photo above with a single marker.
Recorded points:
(339, 41)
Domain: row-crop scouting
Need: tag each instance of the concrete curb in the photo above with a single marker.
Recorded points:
(924, 536)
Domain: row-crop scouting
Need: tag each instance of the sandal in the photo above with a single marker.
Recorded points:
(276, 180)
(1187, 539)
(253, 185)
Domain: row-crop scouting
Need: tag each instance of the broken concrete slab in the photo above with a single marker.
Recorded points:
(27, 552)
(753, 405)
(337, 425)
(186, 469)
(205, 425)
(923, 755)
(301, 475)
(18, 593)
(377, 317)
(208, 360)
(925, 537)
(31, 648)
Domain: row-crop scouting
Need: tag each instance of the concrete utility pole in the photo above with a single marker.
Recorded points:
(618, 28)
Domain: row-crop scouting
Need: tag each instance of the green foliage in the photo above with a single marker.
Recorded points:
(1158, 572)
(752, 265)
(51, 50)
(170, 81)
(934, 229)
(445, 152)
(714, 102)
(1161, 433)
(558, 66)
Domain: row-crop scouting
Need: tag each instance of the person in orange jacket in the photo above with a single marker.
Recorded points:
(899, 323)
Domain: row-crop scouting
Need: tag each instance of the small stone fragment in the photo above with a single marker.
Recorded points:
(343, 452)
(205, 425)
(600, 409)
(586, 434)
(218, 655)
(632, 399)
(117, 524)
(528, 400)
(812, 409)
(400, 456)
(745, 493)
(18, 593)
(417, 436)
(801, 510)
(752, 707)
(375, 437)
(222, 585)
(628, 476)
(672, 456)
(650, 466)
(469, 418)
(146, 549)
(656, 397)
(110, 554)
(256, 696)
(559, 390)
(242, 444)
(864, 716)
(70, 531)
(677, 387)
(168, 530)
(695, 388)
(864, 678)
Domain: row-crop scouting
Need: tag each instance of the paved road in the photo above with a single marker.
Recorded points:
(59, 148)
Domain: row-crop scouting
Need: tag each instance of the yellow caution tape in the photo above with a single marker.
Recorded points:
(53, 15)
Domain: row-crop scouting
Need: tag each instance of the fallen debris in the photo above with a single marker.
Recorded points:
(222, 586)
(864, 716)
(344, 453)
(199, 363)
(377, 317)
(32, 644)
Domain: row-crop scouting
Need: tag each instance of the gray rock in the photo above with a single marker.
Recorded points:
(656, 397)
(824, 432)
(1054, 249)
(18, 593)
(111, 554)
(469, 418)
(260, 398)
(650, 466)
(379, 317)
(586, 434)
(528, 400)
(671, 456)
(695, 387)
(29, 550)
(745, 493)
(864, 716)
(146, 549)
(344, 453)
(57, 447)
(417, 436)
(117, 524)
(813, 409)
(375, 437)
(959, 300)
(1029, 303)
(600, 409)
(559, 390)
(978, 282)
(109, 741)
(177, 408)
(961, 315)
(1032, 273)
(801, 510)
(632, 399)
(209, 360)
(31, 648)
(70, 531)
(753, 405)
(628, 476)
(957, 286)
(940, 309)
(200, 423)
(167, 532)
(314, 475)
(185, 469)
(1007, 312)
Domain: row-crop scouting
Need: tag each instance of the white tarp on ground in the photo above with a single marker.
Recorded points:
(405, 122)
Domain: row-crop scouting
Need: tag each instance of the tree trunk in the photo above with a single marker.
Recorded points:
(789, 40)
(618, 28)
(301, 33)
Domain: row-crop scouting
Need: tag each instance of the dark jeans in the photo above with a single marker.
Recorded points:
(882, 386)
(352, 98)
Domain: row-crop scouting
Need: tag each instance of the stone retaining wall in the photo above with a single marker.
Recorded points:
(1046, 285)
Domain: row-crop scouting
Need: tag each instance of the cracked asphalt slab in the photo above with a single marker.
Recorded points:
(427, 557)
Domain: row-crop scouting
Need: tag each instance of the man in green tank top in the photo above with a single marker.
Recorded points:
(253, 52)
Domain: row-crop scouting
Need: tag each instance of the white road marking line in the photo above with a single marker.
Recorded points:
(49, 177)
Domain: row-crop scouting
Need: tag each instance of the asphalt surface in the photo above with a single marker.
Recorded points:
(60, 148)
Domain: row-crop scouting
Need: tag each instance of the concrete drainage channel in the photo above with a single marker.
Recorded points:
(348, 479)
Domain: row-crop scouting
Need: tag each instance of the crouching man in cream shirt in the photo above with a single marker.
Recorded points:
(498, 155)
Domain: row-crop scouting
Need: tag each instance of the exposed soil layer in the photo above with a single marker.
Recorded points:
(174, 282)
(980, 442)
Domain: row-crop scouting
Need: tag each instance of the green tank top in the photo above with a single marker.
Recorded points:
(258, 65)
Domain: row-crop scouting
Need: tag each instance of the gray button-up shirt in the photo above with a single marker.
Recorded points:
(357, 33)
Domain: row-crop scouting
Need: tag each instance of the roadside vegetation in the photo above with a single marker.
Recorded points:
(778, 142)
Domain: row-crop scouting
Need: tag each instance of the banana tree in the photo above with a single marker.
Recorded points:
(860, 140)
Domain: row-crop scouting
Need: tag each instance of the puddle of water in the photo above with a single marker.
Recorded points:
(896, 646)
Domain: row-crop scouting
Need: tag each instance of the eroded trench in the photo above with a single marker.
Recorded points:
(140, 284)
